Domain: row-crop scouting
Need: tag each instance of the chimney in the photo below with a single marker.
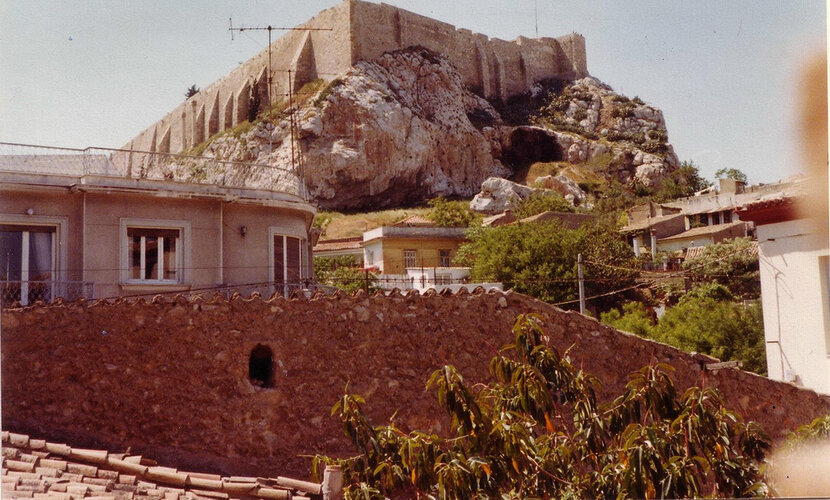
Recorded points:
(730, 186)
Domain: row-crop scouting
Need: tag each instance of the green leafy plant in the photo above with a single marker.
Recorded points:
(538, 431)
(447, 213)
(542, 201)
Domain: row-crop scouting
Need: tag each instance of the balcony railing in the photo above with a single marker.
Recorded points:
(28, 292)
(132, 164)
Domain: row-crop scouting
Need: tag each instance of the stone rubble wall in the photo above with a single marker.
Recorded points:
(170, 378)
(361, 31)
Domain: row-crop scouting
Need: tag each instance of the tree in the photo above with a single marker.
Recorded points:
(540, 259)
(732, 263)
(343, 272)
(538, 431)
(452, 213)
(723, 329)
(634, 318)
(730, 173)
(706, 319)
(542, 201)
(191, 91)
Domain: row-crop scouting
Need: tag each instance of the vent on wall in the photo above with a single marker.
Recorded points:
(261, 367)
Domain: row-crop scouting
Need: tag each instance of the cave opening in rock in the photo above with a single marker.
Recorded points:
(526, 146)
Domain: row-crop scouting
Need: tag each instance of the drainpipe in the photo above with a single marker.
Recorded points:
(653, 243)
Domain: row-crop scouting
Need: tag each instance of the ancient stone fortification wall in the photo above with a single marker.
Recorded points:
(362, 31)
(171, 379)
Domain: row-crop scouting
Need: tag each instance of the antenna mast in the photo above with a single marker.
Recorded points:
(294, 158)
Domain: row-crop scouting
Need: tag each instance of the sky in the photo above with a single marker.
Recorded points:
(726, 74)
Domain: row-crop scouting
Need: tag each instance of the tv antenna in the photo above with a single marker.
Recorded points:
(295, 157)
(269, 29)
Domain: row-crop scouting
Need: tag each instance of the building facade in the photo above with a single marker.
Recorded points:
(795, 292)
(76, 224)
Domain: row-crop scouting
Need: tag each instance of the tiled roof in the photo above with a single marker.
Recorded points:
(651, 221)
(338, 244)
(35, 468)
(499, 219)
(704, 231)
(568, 219)
(776, 202)
(414, 220)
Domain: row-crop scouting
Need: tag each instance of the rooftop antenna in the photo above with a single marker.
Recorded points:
(269, 29)
(536, 15)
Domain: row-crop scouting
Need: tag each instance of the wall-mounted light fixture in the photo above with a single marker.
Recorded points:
(243, 230)
(30, 211)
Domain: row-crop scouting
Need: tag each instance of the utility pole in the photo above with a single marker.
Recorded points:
(581, 285)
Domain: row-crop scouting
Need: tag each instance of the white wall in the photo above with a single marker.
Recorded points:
(794, 293)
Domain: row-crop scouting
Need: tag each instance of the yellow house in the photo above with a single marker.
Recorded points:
(414, 242)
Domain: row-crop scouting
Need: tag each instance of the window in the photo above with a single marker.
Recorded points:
(28, 259)
(287, 263)
(727, 216)
(154, 252)
(444, 259)
(261, 367)
(410, 258)
(716, 218)
(370, 258)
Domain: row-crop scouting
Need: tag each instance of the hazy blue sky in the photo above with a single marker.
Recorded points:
(726, 73)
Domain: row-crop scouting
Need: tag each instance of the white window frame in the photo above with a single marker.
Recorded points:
(182, 250)
(440, 257)
(280, 231)
(414, 258)
(59, 246)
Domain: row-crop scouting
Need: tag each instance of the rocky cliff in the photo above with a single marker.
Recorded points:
(403, 129)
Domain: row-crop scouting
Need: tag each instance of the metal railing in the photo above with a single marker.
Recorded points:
(133, 164)
(28, 292)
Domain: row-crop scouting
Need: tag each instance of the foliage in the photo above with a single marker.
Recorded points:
(730, 173)
(542, 201)
(732, 263)
(723, 329)
(540, 260)
(634, 318)
(452, 213)
(706, 319)
(343, 272)
(538, 431)
(191, 91)
(818, 429)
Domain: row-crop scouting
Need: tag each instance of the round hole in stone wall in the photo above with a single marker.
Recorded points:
(261, 366)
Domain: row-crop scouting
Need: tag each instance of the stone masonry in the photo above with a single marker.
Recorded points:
(361, 31)
(170, 379)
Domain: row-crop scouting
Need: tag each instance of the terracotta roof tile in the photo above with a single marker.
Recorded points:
(338, 244)
(704, 231)
(66, 472)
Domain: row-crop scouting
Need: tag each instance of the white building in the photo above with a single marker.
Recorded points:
(795, 291)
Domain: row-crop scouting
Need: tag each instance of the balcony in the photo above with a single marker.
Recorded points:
(28, 292)
(128, 168)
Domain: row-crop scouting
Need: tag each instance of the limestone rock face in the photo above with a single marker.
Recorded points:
(498, 195)
(564, 186)
(403, 129)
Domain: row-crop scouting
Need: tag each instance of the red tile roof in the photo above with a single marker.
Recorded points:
(704, 231)
(37, 468)
(769, 211)
(415, 220)
(338, 244)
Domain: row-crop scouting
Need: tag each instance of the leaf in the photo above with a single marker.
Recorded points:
(549, 424)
